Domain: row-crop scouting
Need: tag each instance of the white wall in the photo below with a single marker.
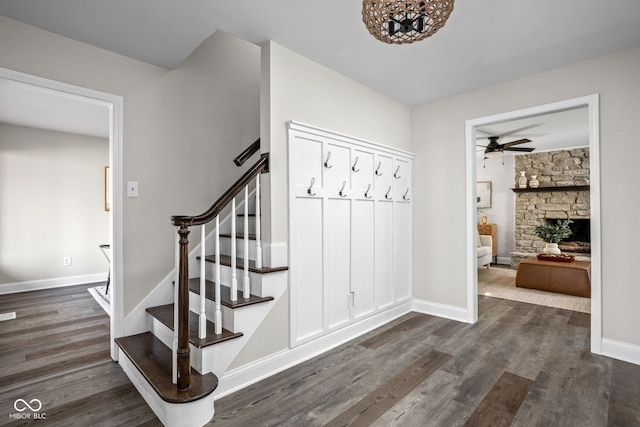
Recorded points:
(296, 88)
(182, 129)
(502, 210)
(438, 138)
(51, 204)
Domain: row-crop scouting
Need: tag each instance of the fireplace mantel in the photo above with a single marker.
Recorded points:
(557, 188)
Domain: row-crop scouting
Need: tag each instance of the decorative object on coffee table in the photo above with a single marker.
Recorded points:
(559, 257)
(522, 180)
(552, 234)
(533, 182)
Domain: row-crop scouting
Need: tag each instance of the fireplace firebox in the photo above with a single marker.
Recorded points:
(580, 239)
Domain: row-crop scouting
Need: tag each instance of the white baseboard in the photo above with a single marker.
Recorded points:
(621, 350)
(441, 310)
(58, 282)
(244, 376)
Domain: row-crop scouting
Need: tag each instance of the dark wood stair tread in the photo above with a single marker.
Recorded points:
(226, 260)
(164, 313)
(225, 293)
(153, 359)
(239, 235)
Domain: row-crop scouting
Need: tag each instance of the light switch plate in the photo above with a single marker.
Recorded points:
(132, 188)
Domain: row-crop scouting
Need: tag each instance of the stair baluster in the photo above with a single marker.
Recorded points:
(202, 326)
(258, 243)
(234, 274)
(217, 281)
(181, 351)
(246, 288)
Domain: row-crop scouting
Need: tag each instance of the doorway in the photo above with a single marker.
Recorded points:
(591, 103)
(114, 105)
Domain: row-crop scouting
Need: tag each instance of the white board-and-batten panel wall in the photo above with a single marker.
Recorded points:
(350, 230)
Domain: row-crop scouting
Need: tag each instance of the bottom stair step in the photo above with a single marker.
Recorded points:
(164, 313)
(153, 359)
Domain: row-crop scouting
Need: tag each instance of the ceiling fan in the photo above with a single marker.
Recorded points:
(494, 148)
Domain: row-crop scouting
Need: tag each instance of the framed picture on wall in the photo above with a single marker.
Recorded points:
(483, 194)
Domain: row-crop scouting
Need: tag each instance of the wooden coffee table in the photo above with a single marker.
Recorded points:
(570, 278)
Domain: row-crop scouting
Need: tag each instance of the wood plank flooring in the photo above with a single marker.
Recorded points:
(56, 350)
(519, 365)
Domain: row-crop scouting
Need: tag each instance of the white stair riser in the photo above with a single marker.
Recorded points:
(165, 334)
(228, 321)
(216, 358)
(225, 247)
(255, 279)
(196, 413)
(240, 225)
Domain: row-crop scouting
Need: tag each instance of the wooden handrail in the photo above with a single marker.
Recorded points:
(183, 223)
(247, 153)
(261, 165)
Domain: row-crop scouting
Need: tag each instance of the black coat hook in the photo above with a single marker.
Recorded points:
(366, 193)
(313, 180)
(342, 193)
(326, 162)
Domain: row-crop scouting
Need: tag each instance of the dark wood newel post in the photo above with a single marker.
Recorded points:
(184, 364)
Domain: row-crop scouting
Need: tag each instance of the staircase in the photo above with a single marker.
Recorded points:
(176, 369)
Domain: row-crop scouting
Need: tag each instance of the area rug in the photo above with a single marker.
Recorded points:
(104, 299)
(501, 283)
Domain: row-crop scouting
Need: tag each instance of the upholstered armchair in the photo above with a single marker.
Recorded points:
(485, 250)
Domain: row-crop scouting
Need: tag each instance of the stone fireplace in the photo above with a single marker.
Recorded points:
(563, 194)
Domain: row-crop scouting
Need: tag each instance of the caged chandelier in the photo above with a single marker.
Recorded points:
(405, 21)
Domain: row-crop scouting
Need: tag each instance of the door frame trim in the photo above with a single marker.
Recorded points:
(592, 103)
(115, 105)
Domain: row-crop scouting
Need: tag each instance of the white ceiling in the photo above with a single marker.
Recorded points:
(483, 43)
(561, 130)
(27, 105)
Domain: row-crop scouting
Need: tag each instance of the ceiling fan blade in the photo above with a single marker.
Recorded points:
(520, 141)
(523, 149)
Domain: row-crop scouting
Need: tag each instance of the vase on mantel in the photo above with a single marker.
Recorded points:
(551, 249)
(533, 182)
(522, 180)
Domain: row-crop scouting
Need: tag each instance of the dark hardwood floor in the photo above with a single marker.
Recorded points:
(520, 365)
(57, 351)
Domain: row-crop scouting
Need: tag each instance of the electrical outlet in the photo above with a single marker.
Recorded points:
(66, 261)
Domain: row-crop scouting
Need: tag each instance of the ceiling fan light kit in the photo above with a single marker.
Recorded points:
(405, 21)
